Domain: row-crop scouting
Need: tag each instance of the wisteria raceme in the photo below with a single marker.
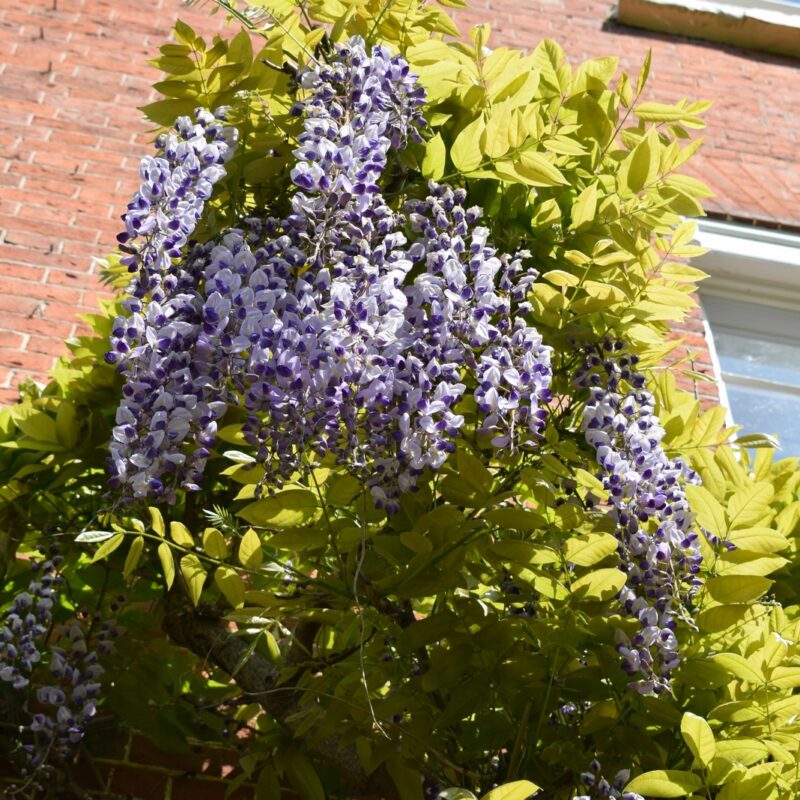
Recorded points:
(176, 182)
(66, 700)
(470, 303)
(166, 399)
(27, 621)
(314, 326)
(69, 700)
(657, 543)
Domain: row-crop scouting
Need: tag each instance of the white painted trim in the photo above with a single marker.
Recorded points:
(751, 265)
(722, 389)
(745, 262)
(773, 12)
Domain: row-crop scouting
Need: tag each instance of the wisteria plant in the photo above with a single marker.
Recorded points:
(377, 458)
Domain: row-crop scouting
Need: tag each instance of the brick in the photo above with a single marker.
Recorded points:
(41, 291)
(55, 329)
(35, 362)
(48, 345)
(23, 272)
(8, 396)
(11, 340)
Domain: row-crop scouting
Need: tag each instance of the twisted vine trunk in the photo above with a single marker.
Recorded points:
(210, 638)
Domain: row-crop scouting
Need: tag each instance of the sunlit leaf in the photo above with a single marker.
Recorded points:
(167, 563)
(195, 576)
(699, 738)
(516, 790)
(283, 510)
(665, 783)
(250, 552)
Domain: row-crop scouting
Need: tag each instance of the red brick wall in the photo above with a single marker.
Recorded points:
(73, 71)
(692, 355)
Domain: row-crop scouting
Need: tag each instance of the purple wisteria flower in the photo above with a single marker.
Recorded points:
(657, 543)
(347, 328)
(67, 699)
(27, 620)
(176, 183)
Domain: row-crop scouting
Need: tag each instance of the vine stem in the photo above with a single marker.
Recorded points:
(519, 745)
(359, 609)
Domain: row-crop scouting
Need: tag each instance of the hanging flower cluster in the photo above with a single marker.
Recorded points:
(66, 699)
(164, 402)
(346, 328)
(69, 700)
(27, 620)
(657, 543)
(176, 182)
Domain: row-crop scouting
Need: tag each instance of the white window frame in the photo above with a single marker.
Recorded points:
(747, 262)
(753, 265)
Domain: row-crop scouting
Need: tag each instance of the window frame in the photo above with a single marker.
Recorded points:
(759, 269)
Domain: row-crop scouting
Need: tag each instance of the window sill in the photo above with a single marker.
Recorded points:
(744, 261)
(768, 25)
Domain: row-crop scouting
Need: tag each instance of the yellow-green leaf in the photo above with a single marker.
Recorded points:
(601, 584)
(195, 576)
(407, 780)
(585, 206)
(740, 667)
(750, 786)
(434, 161)
(180, 534)
(558, 277)
(742, 751)
(230, 584)
(665, 783)
(589, 549)
(232, 434)
(639, 167)
(250, 552)
(167, 563)
(134, 554)
(304, 778)
(737, 588)
(519, 519)
(538, 170)
(750, 505)
(699, 738)
(709, 511)
(466, 150)
(157, 521)
(214, 544)
(37, 425)
(499, 130)
(644, 72)
(661, 112)
(108, 547)
(283, 510)
(67, 424)
(516, 790)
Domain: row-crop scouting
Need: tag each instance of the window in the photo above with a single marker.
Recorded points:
(758, 352)
(772, 25)
(752, 306)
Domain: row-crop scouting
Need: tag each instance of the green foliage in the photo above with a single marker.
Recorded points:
(470, 637)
